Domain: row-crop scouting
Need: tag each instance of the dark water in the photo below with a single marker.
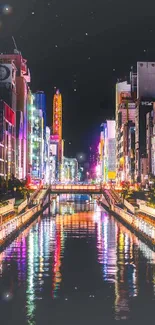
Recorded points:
(77, 267)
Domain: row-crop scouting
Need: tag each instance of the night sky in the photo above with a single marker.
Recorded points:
(81, 47)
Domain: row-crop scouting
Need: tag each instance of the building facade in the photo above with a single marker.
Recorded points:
(8, 99)
(14, 92)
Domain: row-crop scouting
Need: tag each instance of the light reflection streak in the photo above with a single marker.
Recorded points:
(30, 292)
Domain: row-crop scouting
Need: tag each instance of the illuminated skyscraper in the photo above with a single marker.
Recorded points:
(40, 104)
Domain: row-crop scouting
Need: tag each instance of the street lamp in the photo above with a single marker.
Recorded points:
(87, 173)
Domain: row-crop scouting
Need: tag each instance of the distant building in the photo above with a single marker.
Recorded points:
(70, 169)
(93, 160)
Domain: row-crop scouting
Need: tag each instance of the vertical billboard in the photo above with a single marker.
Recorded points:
(111, 159)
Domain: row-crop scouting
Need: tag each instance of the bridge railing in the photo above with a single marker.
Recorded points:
(76, 187)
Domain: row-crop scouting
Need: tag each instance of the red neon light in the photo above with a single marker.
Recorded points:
(9, 114)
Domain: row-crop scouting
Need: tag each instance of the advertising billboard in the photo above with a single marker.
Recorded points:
(9, 114)
(53, 149)
(111, 129)
(111, 158)
(6, 73)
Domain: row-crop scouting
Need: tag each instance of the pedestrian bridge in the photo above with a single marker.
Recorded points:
(76, 189)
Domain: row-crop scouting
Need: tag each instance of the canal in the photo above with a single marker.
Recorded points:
(76, 265)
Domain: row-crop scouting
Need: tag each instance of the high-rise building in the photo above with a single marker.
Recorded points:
(14, 92)
(37, 143)
(123, 93)
(108, 151)
(144, 105)
(134, 104)
(40, 103)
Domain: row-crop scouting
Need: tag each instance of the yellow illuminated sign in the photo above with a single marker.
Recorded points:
(111, 175)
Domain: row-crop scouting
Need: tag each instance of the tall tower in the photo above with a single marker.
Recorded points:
(57, 128)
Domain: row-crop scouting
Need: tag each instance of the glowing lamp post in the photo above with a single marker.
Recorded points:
(87, 173)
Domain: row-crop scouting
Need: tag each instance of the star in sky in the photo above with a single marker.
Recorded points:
(6, 9)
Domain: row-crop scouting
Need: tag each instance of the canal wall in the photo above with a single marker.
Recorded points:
(9, 207)
(140, 227)
(146, 209)
(129, 206)
(11, 229)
